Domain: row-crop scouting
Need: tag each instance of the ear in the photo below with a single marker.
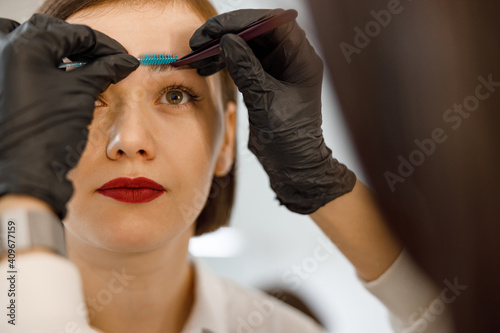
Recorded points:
(225, 159)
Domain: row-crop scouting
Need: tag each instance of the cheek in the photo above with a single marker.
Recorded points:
(86, 214)
(193, 150)
(187, 146)
(199, 136)
(95, 147)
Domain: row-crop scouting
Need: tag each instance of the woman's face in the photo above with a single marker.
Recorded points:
(168, 125)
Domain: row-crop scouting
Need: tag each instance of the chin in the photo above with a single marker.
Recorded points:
(124, 228)
(132, 235)
(125, 234)
(127, 246)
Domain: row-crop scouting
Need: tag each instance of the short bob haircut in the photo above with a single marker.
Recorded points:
(217, 210)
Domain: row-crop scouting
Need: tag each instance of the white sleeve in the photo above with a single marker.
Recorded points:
(414, 302)
(45, 294)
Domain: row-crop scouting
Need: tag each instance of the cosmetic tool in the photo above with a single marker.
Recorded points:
(212, 49)
(145, 59)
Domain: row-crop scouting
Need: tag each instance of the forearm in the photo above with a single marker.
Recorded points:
(12, 201)
(355, 225)
(45, 287)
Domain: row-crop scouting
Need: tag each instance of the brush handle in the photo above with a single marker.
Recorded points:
(250, 32)
(76, 64)
(145, 59)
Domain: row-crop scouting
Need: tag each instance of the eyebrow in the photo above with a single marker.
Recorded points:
(166, 68)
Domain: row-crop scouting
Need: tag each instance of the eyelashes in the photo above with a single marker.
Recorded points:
(178, 95)
(98, 102)
(173, 95)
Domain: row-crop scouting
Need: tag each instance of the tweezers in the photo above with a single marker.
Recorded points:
(250, 32)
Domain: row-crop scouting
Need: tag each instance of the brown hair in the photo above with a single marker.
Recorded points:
(217, 210)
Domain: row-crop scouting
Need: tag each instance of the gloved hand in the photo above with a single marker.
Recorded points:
(45, 111)
(280, 76)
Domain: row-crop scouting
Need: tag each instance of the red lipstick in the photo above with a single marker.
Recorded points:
(132, 190)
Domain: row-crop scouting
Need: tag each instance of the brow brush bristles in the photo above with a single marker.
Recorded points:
(157, 59)
(145, 59)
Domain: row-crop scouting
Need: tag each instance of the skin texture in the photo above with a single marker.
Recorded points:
(135, 133)
(354, 223)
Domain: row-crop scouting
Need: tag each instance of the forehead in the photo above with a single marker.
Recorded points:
(145, 28)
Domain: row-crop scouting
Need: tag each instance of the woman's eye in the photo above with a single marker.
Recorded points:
(98, 103)
(175, 97)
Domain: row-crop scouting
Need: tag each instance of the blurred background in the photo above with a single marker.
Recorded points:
(265, 241)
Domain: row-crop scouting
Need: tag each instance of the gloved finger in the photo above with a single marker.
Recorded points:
(104, 45)
(210, 70)
(60, 39)
(7, 25)
(284, 52)
(103, 71)
(207, 62)
(295, 60)
(231, 22)
(246, 70)
(209, 66)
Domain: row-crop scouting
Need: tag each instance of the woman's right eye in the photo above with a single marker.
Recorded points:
(175, 97)
(98, 103)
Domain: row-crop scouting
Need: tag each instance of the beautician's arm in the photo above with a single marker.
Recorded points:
(354, 224)
(280, 76)
(50, 297)
(12, 201)
(282, 90)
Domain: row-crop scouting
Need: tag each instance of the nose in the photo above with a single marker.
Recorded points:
(131, 137)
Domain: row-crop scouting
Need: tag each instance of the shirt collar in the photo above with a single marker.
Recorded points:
(208, 314)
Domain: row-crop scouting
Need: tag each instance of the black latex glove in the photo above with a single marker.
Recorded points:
(45, 111)
(280, 76)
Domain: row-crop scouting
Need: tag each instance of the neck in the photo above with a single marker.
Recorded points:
(150, 291)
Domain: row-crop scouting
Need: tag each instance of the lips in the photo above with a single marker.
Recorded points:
(132, 190)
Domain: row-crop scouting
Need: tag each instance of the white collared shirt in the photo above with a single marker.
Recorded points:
(222, 306)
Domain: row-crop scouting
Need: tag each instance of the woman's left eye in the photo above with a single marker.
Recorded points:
(175, 97)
